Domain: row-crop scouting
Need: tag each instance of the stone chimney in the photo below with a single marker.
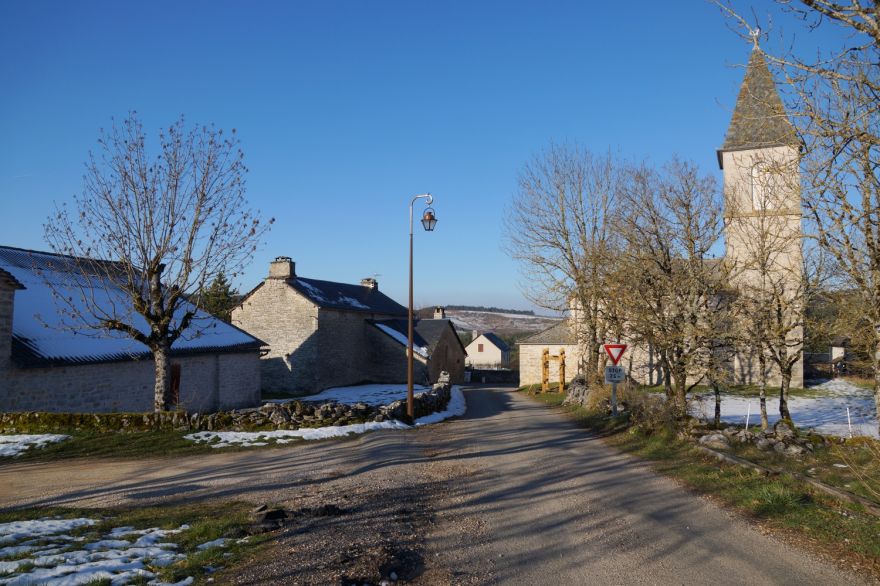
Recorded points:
(439, 312)
(8, 286)
(282, 268)
(371, 283)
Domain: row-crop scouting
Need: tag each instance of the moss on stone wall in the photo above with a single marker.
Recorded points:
(292, 415)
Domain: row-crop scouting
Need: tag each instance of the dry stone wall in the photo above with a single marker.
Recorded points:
(291, 415)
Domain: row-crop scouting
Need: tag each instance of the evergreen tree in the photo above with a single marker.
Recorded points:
(219, 298)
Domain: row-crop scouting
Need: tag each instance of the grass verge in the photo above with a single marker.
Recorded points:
(782, 504)
(146, 444)
(207, 522)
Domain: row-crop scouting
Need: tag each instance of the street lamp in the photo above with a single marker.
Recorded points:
(429, 220)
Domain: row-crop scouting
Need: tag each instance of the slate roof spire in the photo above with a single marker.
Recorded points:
(759, 118)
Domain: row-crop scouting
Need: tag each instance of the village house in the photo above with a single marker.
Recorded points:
(558, 337)
(487, 351)
(324, 334)
(47, 364)
(759, 160)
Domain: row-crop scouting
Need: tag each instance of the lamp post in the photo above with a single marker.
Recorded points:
(428, 222)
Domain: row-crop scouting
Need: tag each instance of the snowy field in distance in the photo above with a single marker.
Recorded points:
(16, 445)
(223, 439)
(825, 413)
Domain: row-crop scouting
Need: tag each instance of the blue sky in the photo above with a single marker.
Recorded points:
(346, 110)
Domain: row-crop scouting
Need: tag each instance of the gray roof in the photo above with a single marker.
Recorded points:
(42, 335)
(426, 332)
(558, 334)
(759, 118)
(333, 295)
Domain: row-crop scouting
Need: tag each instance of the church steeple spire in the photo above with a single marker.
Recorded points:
(759, 119)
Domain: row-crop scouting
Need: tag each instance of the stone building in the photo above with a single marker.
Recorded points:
(323, 334)
(760, 160)
(47, 364)
(559, 337)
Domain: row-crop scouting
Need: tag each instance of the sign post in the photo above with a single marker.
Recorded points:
(614, 374)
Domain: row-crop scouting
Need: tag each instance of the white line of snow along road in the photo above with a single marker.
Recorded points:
(455, 408)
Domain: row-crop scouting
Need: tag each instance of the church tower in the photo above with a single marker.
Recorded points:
(760, 160)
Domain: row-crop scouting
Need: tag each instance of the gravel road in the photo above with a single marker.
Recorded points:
(510, 494)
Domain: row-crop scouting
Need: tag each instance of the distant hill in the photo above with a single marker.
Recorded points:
(491, 309)
(509, 324)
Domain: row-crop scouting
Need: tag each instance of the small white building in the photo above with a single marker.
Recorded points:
(487, 351)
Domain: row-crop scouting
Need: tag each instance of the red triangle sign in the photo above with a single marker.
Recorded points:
(615, 351)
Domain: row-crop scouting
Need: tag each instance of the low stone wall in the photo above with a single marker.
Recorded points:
(292, 415)
(488, 376)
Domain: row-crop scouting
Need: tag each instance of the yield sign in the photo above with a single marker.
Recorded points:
(615, 351)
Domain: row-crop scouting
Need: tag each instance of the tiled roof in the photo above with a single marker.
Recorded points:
(558, 334)
(333, 295)
(42, 335)
(759, 118)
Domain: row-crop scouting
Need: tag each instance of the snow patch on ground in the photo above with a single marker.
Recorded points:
(370, 394)
(57, 559)
(15, 445)
(456, 407)
(825, 413)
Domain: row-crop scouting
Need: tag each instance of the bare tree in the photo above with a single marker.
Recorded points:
(670, 221)
(170, 222)
(559, 229)
(833, 99)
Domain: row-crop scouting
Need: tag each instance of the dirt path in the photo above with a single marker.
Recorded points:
(510, 494)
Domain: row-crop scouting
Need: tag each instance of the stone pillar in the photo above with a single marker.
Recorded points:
(8, 286)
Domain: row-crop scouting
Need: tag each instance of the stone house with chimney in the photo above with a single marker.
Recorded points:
(324, 334)
(47, 364)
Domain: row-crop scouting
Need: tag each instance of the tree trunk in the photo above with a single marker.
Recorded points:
(717, 389)
(162, 389)
(877, 371)
(762, 394)
(680, 391)
(594, 350)
(784, 387)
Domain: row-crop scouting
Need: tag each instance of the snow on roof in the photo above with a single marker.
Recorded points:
(333, 295)
(419, 345)
(42, 334)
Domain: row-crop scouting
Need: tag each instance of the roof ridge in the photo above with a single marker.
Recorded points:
(30, 251)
